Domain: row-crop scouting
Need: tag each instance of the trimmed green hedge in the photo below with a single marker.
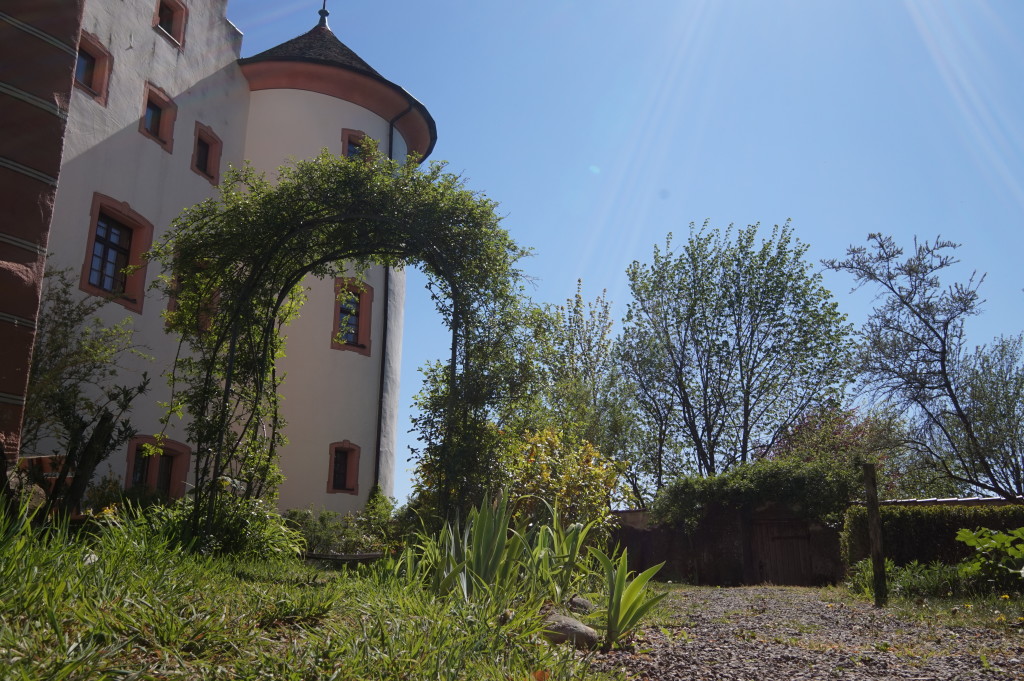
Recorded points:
(923, 533)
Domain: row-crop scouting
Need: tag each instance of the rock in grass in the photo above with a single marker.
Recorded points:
(580, 604)
(560, 628)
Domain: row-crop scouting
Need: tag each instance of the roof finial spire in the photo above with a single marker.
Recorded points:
(323, 16)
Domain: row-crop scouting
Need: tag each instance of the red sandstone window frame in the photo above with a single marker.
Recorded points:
(175, 32)
(103, 63)
(348, 286)
(134, 292)
(352, 453)
(164, 133)
(205, 135)
(350, 138)
(181, 460)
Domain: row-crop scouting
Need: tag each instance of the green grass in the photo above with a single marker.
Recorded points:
(119, 603)
(942, 595)
(991, 611)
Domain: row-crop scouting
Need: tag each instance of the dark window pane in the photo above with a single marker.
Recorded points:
(203, 155)
(166, 20)
(85, 69)
(163, 476)
(348, 319)
(339, 477)
(140, 471)
(152, 122)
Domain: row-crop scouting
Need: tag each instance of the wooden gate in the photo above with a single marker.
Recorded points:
(781, 551)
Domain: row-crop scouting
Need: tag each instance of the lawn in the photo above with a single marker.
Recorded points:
(119, 603)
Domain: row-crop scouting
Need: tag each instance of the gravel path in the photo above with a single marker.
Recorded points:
(784, 633)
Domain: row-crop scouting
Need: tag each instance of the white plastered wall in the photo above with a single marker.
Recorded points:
(330, 395)
(105, 153)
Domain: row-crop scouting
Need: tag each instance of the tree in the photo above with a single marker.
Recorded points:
(459, 459)
(992, 377)
(965, 406)
(72, 407)
(580, 383)
(549, 369)
(653, 454)
(847, 437)
(746, 336)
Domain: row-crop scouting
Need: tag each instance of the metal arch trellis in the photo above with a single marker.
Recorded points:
(234, 266)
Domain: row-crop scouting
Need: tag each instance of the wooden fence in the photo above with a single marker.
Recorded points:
(770, 545)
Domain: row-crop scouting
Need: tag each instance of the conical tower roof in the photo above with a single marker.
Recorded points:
(319, 48)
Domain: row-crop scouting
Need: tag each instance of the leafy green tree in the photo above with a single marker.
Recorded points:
(463, 431)
(846, 437)
(747, 336)
(965, 406)
(993, 381)
(547, 369)
(656, 438)
(73, 408)
(580, 380)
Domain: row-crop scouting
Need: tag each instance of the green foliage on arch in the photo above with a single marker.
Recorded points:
(234, 265)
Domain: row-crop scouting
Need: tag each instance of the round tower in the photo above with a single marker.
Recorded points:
(344, 355)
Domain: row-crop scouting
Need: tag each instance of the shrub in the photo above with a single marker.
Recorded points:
(570, 474)
(371, 530)
(242, 527)
(493, 563)
(627, 602)
(814, 490)
(998, 557)
(110, 491)
(493, 556)
(914, 580)
(923, 533)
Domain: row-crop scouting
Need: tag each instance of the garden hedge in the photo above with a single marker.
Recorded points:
(923, 533)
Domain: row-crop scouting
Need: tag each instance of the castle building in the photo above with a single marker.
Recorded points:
(118, 115)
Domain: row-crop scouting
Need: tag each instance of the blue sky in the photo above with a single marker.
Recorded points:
(601, 126)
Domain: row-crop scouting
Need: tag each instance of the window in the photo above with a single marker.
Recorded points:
(165, 17)
(165, 472)
(353, 306)
(44, 472)
(151, 119)
(110, 251)
(343, 472)
(118, 236)
(92, 70)
(158, 115)
(348, 318)
(352, 142)
(85, 69)
(169, 21)
(206, 153)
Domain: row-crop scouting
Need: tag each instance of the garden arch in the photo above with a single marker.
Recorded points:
(235, 264)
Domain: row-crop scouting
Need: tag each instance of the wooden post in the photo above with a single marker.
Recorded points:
(879, 583)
